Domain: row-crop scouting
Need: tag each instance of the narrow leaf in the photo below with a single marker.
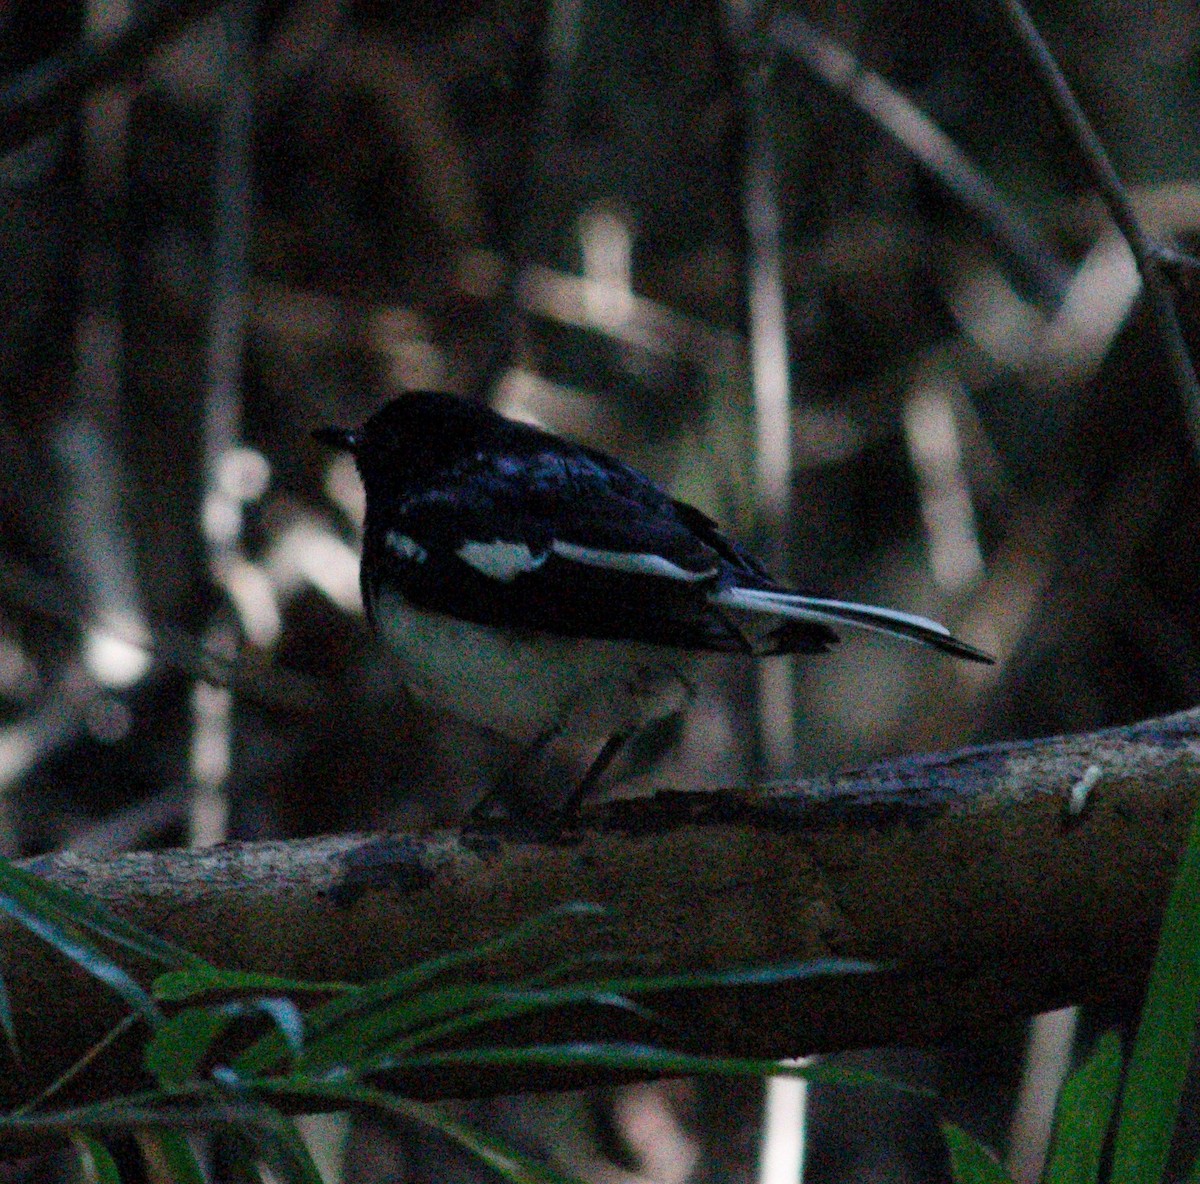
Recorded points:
(1084, 1112)
(384, 1034)
(639, 1058)
(404, 983)
(56, 902)
(175, 1051)
(348, 1028)
(96, 1163)
(176, 986)
(170, 1151)
(517, 936)
(158, 1108)
(78, 1066)
(80, 951)
(611, 993)
(970, 1161)
(286, 1017)
(1162, 1048)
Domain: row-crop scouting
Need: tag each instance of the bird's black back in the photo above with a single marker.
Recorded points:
(440, 473)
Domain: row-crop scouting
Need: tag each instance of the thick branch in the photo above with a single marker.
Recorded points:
(974, 872)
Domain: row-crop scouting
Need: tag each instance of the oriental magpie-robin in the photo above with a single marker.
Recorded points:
(527, 582)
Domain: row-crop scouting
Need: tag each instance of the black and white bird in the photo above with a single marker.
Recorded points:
(528, 583)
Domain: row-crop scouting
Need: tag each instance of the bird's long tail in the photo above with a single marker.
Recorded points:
(815, 610)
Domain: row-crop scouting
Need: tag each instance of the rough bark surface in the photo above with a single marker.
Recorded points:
(990, 887)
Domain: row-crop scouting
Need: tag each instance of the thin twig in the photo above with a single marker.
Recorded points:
(68, 1075)
(1036, 260)
(1146, 251)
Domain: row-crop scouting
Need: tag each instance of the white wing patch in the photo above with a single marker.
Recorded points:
(634, 562)
(499, 560)
(405, 547)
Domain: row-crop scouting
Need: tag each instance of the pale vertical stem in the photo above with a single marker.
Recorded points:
(781, 1158)
(231, 239)
(767, 317)
(1047, 1061)
(786, 1104)
(935, 450)
(208, 813)
(96, 532)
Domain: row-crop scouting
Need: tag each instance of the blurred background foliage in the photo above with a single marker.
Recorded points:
(831, 271)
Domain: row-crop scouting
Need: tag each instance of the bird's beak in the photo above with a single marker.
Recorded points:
(345, 439)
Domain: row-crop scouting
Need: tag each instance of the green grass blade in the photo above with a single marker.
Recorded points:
(96, 1164)
(287, 1019)
(398, 990)
(153, 1108)
(362, 1041)
(387, 1031)
(738, 976)
(85, 955)
(64, 905)
(388, 1018)
(174, 1053)
(177, 986)
(614, 992)
(509, 1006)
(346, 1032)
(1082, 1117)
(641, 1058)
(177, 1048)
(970, 1161)
(79, 1065)
(519, 935)
(1162, 1048)
(172, 1150)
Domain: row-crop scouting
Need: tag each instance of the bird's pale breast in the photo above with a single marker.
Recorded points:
(523, 683)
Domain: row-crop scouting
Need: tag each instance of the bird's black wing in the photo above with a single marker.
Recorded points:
(558, 538)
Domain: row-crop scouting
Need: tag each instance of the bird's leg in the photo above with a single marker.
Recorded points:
(631, 729)
(643, 689)
(605, 757)
(503, 800)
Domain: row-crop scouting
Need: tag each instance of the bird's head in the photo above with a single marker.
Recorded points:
(413, 435)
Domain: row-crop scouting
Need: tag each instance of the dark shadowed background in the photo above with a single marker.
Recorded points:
(830, 271)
